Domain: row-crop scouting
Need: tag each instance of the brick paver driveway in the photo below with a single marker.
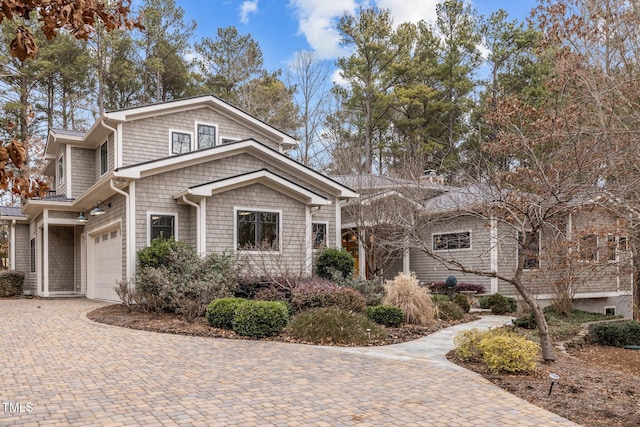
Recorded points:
(58, 369)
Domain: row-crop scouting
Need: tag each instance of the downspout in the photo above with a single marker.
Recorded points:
(128, 236)
(199, 245)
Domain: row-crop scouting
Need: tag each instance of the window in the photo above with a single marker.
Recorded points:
(452, 241)
(228, 140)
(258, 230)
(611, 248)
(33, 255)
(610, 311)
(206, 136)
(588, 248)
(104, 158)
(319, 234)
(162, 226)
(532, 251)
(61, 168)
(622, 243)
(180, 142)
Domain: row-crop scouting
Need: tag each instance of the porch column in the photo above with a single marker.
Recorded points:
(45, 257)
(406, 261)
(493, 242)
(12, 245)
(203, 226)
(362, 256)
(308, 242)
(338, 244)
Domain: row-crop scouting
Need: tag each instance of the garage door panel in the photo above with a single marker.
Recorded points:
(107, 265)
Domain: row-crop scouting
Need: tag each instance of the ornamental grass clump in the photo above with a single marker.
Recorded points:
(405, 293)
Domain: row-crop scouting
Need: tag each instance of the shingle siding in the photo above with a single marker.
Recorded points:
(149, 138)
(81, 170)
(61, 258)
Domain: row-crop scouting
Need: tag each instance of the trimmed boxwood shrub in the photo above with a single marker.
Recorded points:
(259, 319)
(499, 304)
(319, 292)
(386, 315)
(448, 310)
(463, 302)
(220, 312)
(332, 260)
(617, 334)
(11, 282)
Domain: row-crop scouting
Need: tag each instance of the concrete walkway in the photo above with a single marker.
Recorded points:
(58, 369)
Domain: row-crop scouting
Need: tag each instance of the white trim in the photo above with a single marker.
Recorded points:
(229, 139)
(453, 232)
(604, 309)
(326, 234)
(199, 225)
(12, 246)
(203, 228)
(63, 221)
(131, 229)
(362, 255)
(338, 242)
(249, 146)
(118, 148)
(91, 235)
(262, 176)
(197, 141)
(67, 172)
(589, 295)
(184, 132)
(83, 263)
(309, 240)
(175, 224)
(129, 215)
(257, 210)
(45, 252)
(406, 261)
(106, 144)
(493, 248)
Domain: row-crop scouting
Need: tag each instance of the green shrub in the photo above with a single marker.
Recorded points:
(386, 315)
(463, 302)
(259, 319)
(405, 293)
(501, 349)
(441, 287)
(332, 325)
(448, 310)
(11, 282)
(371, 290)
(440, 297)
(617, 334)
(526, 321)
(318, 292)
(173, 277)
(331, 260)
(220, 312)
(499, 304)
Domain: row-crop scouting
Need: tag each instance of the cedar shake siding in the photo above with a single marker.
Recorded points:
(81, 170)
(61, 259)
(149, 138)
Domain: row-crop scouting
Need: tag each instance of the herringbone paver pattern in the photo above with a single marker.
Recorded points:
(58, 369)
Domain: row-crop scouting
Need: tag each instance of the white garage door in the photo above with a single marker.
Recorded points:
(107, 265)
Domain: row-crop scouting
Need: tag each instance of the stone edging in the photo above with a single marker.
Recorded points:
(580, 340)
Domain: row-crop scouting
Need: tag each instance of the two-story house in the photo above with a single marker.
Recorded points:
(198, 170)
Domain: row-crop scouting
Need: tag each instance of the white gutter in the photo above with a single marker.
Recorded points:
(200, 240)
(131, 255)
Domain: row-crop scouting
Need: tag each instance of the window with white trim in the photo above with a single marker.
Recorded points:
(104, 158)
(588, 250)
(228, 140)
(319, 234)
(258, 230)
(532, 251)
(452, 241)
(162, 226)
(206, 136)
(611, 248)
(61, 168)
(180, 142)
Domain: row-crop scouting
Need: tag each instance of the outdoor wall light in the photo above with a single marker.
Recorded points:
(98, 210)
(82, 218)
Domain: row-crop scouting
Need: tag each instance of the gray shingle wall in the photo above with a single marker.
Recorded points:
(97, 158)
(82, 176)
(61, 181)
(149, 138)
(23, 256)
(61, 258)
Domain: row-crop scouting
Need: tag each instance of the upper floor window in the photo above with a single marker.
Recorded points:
(532, 251)
(258, 230)
(162, 226)
(104, 158)
(228, 140)
(61, 168)
(588, 250)
(206, 136)
(319, 234)
(452, 241)
(180, 142)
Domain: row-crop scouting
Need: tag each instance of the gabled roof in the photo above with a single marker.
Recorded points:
(249, 146)
(262, 176)
(99, 129)
(11, 212)
(370, 182)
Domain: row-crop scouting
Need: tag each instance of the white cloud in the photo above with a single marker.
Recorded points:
(248, 7)
(337, 78)
(317, 19)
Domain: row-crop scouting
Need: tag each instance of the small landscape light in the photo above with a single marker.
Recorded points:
(554, 378)
(369, 333)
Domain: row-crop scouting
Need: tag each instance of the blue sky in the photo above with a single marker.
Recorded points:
(282, 27)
